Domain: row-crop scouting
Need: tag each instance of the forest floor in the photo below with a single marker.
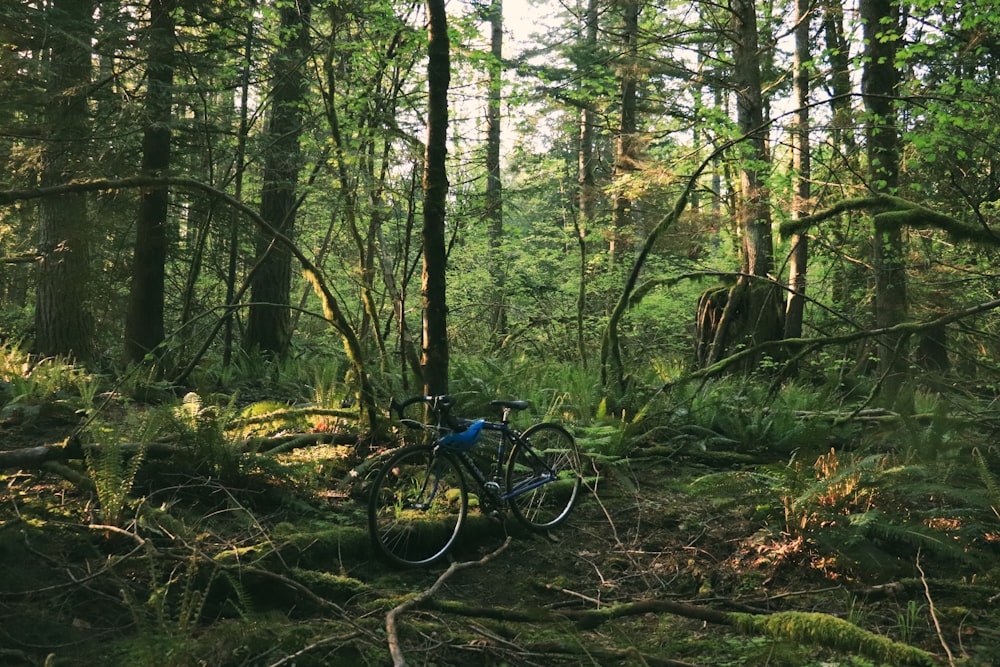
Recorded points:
(643, 573)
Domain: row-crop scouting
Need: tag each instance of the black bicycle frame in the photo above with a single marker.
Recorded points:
(507, 434)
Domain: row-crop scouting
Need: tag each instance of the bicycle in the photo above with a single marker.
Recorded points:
(420, 498)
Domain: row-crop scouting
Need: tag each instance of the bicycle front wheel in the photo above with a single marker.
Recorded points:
(417, 505)
(543, 478)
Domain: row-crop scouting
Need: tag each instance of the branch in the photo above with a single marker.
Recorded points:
(392, 634)
(906, 328)
(46, 455)
(896, 211)
(803, 627)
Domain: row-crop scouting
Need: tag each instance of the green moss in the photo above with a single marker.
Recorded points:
(329, 586)
(321, 549)
(831, 632)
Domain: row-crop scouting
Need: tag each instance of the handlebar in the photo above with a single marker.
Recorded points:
(439, 405)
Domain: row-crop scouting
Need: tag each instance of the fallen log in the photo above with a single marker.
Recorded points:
(71, 449)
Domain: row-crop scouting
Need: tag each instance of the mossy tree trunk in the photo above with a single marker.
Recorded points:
(880, 81)
(752, 310)
(434, 360)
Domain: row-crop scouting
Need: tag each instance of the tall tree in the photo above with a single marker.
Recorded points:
(795, 303)
(753, 212)
(434, 359)
(880, 82)
(494, 190)
(627, 147)
(268, 322)
(586, 181)
(144, 329)
(751, 311)
(63, 319)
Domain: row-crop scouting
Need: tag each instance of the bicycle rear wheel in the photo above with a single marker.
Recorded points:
(544, 477)
(417, 505)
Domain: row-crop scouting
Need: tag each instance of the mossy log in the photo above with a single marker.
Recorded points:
(812, 628)
(71, 449)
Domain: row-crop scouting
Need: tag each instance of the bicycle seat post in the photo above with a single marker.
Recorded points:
(505, 419)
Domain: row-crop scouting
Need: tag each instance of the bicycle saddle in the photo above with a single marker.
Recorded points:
(513, 405)
(463, 440)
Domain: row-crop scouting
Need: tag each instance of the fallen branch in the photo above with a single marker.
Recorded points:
(69, 450)
(803, 627)
(392, 633)
(933, 612)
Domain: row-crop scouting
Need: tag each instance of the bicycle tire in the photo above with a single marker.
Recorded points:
(546, 503)
(417, 505)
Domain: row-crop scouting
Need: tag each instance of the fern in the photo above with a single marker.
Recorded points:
(989, 480)
(876, 525)
(113, 474)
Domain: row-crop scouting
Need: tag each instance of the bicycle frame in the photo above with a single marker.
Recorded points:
(509, 438)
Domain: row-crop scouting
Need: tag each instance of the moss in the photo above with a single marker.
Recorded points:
(321, 549)
(831, 632)
(329, 586)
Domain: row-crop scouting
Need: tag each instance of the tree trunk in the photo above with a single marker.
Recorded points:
(494, 190)
(233, 242)
(753, 309)
(586, 185)
(434, 359)
(144, 330)
(63, 319)
(268, 322)
(626, 153)
(839, 54)
(795, 303)
(753, 210)
(880, 81)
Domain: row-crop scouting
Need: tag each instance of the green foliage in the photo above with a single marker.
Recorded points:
(203, 429)
(177, 598)
(29, 380)
(556, 390)
(989, 479)
(750, 416)
(113, 473)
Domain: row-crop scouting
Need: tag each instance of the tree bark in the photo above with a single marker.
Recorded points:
(63, 319)
(494, 188)
(753, 308)
(144, 330)
(798, 260)
(268, 321)
(880, 81)
(626, 152)
(434, 359)
(586, 186)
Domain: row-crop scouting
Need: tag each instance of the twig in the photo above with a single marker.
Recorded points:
(107, 528)
(930, 606)
(392, 634)
(566, 591)
(313, 646)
